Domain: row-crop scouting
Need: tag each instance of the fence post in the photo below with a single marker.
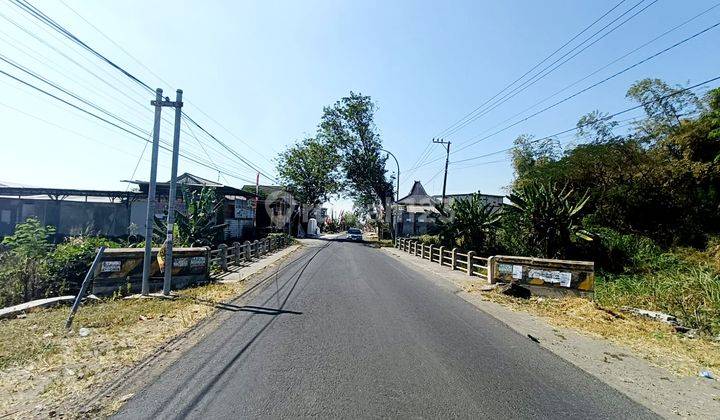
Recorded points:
(256, 247)
(432, 248)
(441, 251)
(491, 269)
(236, 252)
(208, 257)
(422, 251)
(223, 257)
(246, 250)
(453, 260)
(470, 256)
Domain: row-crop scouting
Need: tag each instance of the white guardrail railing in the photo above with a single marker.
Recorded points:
(453, 258)
(238, 253)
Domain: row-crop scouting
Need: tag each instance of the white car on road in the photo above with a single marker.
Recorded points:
(354, 234)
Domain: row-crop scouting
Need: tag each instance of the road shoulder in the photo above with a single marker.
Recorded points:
(658, 389)
(254, 278)
(49, 371)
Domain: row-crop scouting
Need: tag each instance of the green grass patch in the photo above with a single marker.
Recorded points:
(689, 291)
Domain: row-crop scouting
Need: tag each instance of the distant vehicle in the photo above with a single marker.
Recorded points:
(353, 235)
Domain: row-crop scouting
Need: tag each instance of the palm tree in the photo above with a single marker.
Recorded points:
(548, 217)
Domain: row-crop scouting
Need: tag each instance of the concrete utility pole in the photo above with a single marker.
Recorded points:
(167, 281)
(147, 257)
(447, 160)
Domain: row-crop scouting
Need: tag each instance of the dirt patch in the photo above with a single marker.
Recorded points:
(46, 371)
(42, 365)
(655, 341)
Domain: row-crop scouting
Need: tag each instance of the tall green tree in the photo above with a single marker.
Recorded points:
(309, 169)
(349, 125)
(597, 127)
(664, 106)
(530, 154)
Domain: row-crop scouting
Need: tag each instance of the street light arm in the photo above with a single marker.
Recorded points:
(398, 172)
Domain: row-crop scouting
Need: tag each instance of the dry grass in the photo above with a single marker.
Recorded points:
(655, 341)
(43, 365)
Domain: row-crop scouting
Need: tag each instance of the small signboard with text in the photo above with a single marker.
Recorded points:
(559, 275)
(121, 268)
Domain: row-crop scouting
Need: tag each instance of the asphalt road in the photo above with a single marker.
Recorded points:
(347, 332)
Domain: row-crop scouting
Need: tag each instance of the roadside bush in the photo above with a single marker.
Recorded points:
(21, 278)
(32, 267)
(713, 251)
(618, 252)
(23, 268)
(428, 239)
(70, 260)
(634, 271)
(288, 238)
(547, 219)
(692, 294)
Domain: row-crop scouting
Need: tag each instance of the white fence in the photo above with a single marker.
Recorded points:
(238, 253)
(453, 258)
(538, 274)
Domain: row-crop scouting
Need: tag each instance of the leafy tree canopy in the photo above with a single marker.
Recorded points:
(349, 125)
(309, 169)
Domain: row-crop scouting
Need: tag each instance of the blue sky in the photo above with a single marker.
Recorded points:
(264, 70)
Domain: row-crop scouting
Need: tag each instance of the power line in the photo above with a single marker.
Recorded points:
(467, 119)
(226, 147)
(201, 145)
(85, 111)
(626, 69)
(73, 95)
(65, 91)
(100, 78)
(76, 133)
(49, 21)
(35, 12)
(137, 165)
(603, 67)
(626, 122)
(607, 117)
(61, 53)
(466, 144)
(139, 62)
(445, 131)
(549, 69)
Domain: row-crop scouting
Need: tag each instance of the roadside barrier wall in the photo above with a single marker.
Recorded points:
(547, 276)
(121, 268)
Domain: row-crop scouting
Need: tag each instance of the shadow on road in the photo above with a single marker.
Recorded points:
(292, 281)
(236, 308)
